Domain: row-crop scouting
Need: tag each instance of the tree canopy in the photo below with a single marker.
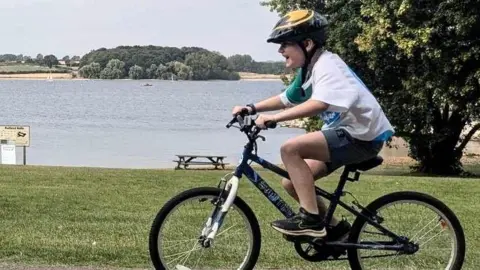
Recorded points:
(186, 63)
(421, 60)
(155, 62)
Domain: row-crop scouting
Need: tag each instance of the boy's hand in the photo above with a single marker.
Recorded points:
(262, 118)
(237, 109)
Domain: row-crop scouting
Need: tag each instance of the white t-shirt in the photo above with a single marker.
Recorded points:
(351, 105)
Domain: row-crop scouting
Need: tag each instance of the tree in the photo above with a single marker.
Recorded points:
(151, 72)
(182, 71)
(91, 71)
(243, 63)
(39, 59)
(421, 60)
(8, 58)
(50, 60)
(28, 59)
(111, 74)
(136, 72)
(199, 63)
(115, 69)
(162, 72)
(19, 58)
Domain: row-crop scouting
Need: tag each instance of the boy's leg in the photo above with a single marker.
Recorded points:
(319, 169)
(294, 153)
(335, 148)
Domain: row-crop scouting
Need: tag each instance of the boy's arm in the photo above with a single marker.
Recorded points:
(306, 109)
(270, 104)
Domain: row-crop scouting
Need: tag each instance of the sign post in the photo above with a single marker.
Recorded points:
(10, 137)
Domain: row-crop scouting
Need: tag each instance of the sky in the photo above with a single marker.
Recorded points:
(75, 27)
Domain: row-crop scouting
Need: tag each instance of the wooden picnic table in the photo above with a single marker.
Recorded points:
(187, 160)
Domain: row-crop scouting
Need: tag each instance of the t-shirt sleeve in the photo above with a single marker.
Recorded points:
(293, 94)
(334, 90)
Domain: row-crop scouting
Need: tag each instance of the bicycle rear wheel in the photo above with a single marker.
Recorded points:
(427, 222)
(174, 237)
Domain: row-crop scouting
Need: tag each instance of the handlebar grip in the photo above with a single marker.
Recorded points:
(230, 123)
(271, 124)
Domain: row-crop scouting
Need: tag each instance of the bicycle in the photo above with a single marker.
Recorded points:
(223, 198)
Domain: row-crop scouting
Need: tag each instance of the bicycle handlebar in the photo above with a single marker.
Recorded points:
(240, 119)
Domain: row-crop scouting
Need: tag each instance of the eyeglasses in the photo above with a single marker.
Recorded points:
(284, 44)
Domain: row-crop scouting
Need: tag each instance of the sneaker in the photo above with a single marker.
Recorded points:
(302, 224)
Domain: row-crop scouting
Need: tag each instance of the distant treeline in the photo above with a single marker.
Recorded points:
(146, 62)
(156, 62)
(245, 63)
(49, 60)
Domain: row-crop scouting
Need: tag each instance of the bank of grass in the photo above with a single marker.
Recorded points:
(27, 69)
(101, 217)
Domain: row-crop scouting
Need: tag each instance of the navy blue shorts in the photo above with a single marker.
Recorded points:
(345, 150)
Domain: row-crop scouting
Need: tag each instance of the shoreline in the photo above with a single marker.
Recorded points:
(259, 77)
(388, 162)
(39, 76)
(244, 76)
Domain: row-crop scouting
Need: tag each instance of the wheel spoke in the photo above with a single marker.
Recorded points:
(409, 215)
(184, 221)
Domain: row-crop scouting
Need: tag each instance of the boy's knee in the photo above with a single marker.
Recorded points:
(288, 148)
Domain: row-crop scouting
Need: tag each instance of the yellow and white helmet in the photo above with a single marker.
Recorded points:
(299, 25)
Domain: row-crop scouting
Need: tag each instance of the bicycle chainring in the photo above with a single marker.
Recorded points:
(317, 252)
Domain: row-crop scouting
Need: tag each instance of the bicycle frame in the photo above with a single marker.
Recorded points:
(244, 168)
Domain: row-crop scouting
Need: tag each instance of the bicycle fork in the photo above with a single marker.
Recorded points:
(214, 222)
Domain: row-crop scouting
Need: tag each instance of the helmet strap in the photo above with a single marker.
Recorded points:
(310, 59)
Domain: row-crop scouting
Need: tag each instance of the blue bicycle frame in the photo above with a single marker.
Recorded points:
(245, 169)
(252, 175)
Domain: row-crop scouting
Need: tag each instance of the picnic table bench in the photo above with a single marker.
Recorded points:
(187, 160)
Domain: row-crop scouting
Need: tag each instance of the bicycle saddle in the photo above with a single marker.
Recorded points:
(366, 165)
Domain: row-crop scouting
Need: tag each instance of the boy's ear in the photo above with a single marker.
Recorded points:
(309, 44)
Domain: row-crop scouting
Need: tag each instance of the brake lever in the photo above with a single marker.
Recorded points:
(242, 121)
(261, 137)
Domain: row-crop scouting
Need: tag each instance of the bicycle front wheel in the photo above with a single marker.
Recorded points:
(435, 236)
(175, 241)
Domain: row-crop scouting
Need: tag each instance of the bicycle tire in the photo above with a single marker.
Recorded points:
(359, 222)
(203, 191)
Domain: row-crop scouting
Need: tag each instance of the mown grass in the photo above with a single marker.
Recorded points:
(15, 69)
(102, 217)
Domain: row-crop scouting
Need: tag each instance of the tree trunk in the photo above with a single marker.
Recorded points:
(441, 160)
(437, 153)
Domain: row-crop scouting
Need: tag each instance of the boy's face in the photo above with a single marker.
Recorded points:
(294, 57)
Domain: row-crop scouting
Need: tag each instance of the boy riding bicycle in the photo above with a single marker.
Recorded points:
(355, 127)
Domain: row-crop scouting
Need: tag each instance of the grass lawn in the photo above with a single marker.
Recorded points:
(102, 217)
(25, 68)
